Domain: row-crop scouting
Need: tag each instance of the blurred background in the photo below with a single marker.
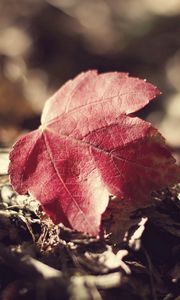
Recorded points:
(43, 43)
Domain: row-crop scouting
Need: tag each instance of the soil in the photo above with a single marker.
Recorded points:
(40, 260)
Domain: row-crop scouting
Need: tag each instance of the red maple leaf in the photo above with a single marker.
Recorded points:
(89, 146)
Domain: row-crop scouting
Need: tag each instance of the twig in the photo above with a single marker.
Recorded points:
(150, 266)
(28, 266)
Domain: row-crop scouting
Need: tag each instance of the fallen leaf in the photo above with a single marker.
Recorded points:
(89, 146)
